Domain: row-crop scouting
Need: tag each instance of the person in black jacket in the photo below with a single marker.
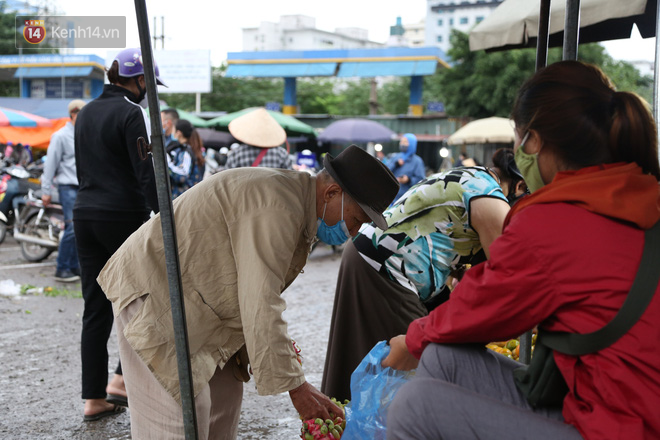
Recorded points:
(116, 195)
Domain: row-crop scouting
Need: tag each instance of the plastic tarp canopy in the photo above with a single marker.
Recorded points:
(515, 23)
(36, 137)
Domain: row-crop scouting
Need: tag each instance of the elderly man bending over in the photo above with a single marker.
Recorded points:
(243, 235)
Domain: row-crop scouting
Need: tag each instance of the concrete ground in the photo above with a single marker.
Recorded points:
(40, 354)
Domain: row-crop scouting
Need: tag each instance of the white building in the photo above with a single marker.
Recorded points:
(298, 32)
(415, 34)
(444, 15)
(645, 67)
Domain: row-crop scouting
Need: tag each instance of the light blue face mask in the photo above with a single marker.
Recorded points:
(333, 235)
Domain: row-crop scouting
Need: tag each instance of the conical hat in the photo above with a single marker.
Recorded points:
(258, 128)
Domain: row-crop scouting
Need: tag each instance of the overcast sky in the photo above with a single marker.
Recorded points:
(217, 25)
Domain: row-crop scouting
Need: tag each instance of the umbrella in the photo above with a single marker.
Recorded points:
(515, 23)
(16, 118)
(484, 131)
(216, 139)
(356, 130)
(290, 124)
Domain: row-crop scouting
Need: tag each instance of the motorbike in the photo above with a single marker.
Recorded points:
(39, 228)
(15, 181)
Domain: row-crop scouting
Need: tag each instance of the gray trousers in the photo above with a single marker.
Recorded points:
(155, 415)
(468, 392)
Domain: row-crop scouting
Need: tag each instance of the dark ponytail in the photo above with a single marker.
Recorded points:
(577, 113)
(633, 134)
(503, 160)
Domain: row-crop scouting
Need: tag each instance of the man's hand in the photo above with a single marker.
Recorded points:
(403, 179)
(46, 200)
(399, 357)
(311, 403)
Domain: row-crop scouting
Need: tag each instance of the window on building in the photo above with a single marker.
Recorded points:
(479, 19)
(440, 22)
(439, 38)
(463, 20)
(451, 22)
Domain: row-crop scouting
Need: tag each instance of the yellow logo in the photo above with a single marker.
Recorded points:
(34, 31)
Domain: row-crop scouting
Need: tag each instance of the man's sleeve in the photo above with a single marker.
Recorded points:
(263, 244)
(53, 157)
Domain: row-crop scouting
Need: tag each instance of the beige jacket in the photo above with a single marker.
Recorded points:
(243, 236)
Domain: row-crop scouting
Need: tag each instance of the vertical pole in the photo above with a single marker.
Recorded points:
(373, 97)
(198, 102)
(416, 89)
(544, 35)
(162, 32)
(63, 79)
(571, 30)
(290, 106)
(20, 78)
(541, 60)
(656, 70)
(169, 231)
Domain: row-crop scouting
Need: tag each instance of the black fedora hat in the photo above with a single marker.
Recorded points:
(366, 179)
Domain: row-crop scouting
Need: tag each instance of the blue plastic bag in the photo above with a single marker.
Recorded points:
(372, 390)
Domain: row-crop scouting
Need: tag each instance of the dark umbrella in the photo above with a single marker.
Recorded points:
(356, 130)
(216, 139)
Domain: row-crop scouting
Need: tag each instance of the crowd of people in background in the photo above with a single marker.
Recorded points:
(552, 231)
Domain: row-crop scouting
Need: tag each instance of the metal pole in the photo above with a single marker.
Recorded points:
(544, 35)
(656, 70)
(169, 231)
(20, 77)
(571, 29)
(541, 61)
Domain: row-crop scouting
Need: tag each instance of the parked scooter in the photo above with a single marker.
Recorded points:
(15, 181)
(37, 228)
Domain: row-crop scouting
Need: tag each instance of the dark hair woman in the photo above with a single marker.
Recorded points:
(565, 261)
(388, 278)
(185, 158)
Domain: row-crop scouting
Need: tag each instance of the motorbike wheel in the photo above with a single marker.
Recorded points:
(31, 251)
(3, 231)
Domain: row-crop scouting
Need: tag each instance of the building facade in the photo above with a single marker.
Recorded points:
(299, 32)
(444, 15)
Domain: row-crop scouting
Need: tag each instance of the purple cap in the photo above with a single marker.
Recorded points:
(130, 64)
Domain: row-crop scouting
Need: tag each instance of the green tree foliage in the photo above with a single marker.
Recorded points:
(230, 94)
(8, 46)
(318, 95)
(394, 96)
(7, 30)
(484, 84)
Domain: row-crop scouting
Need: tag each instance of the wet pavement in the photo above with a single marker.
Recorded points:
(40, 355)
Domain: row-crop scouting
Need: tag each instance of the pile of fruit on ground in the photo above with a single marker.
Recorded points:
(329, 429)
(510, 348)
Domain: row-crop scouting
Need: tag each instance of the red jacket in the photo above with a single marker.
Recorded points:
(569, 269)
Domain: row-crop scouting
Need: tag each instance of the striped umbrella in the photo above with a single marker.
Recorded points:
(16, 118)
